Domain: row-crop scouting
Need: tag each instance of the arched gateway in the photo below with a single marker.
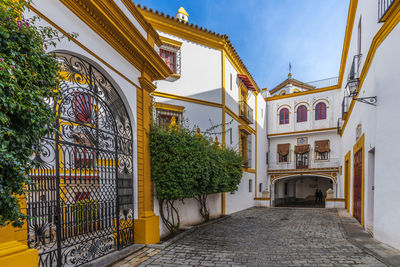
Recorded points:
(80, 202)
(299, 190)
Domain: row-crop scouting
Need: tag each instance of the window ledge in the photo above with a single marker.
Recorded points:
(173, 77)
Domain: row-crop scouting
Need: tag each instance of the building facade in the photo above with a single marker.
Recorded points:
(212, 88)
(368, 121)
(304, 147)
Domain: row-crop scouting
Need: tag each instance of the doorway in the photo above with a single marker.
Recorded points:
(357, 187)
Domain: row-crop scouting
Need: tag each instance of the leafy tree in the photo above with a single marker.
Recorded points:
(28, 77)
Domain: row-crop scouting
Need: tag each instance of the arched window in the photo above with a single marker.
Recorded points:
(284, 116)
(320, 111)
(301, 113)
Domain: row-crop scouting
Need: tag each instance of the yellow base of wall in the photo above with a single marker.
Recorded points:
(16, 254)
(147, 230)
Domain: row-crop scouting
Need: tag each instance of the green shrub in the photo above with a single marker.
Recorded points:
(187, 165)
(28, 76)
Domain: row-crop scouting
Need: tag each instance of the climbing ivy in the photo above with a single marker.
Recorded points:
(28, 77)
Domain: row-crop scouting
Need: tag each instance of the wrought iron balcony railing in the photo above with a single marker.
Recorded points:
(383, 8)
(246, 112)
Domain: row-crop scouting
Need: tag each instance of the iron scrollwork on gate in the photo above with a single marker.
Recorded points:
(80, 202)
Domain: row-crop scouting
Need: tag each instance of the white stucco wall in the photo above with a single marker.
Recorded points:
(379, 124)
(201, 72)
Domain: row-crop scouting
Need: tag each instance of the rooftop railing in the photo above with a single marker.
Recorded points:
(246, 112)
(383, 8)
(324, 82)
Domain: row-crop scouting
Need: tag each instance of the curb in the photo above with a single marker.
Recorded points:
(114, 257)
(357, 236)
(190, 230)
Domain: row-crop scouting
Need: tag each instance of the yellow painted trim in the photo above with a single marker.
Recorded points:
(391, 10)
(255, 136)
(262, 198)
(223, 200)
(284, 105)
(169, 41)
(238, 119)
(250, 170)
(112, 25)
(305, 131)
(159, 105)
(347, 38)
(247, 129)
(381, 35)
(302, 103)
(41, 15)
(360, 145)
(143, 22)
(321, 100)
(187, 99)
(347, 179)
(182, 11)
(198, 35)
(313, 91)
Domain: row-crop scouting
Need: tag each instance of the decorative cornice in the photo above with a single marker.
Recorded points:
(146, 84)
(294, 82)
(303, 132)
(314, 91)
(143, 22)
(109, 22)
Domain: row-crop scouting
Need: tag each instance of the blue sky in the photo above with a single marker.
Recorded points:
(269, 33)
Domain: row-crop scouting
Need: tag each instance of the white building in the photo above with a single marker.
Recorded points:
(304, 147)
(369, 73)
(212, 87)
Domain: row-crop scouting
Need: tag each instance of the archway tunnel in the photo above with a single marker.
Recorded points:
(301, 191)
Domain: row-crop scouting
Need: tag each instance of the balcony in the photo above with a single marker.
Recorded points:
(383, 8)
(246, 112)
(311, 164)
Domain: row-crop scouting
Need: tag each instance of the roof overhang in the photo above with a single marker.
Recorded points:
(246, 81)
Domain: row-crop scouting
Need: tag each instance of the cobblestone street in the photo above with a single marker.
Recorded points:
(264, 237)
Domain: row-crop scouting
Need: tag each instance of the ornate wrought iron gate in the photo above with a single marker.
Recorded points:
(80, 202)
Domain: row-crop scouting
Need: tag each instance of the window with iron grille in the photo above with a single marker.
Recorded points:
(172, 57)
(321, 155)
(164, 117)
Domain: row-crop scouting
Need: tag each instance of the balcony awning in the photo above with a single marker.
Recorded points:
(247, 82)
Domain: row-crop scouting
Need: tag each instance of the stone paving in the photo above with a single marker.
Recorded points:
(265, 237)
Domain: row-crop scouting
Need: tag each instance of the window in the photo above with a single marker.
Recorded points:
(283, 159)
(164, 117)
(83, 107)
(322, 149)
(302, 161)
(245, 149)
(250, 185)
(230, 136)
(284, 116)
(321, 155)
(286, 189)
(260, 187)
(302, 113)
(320, 111)
(169, 58)
(283, 152)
